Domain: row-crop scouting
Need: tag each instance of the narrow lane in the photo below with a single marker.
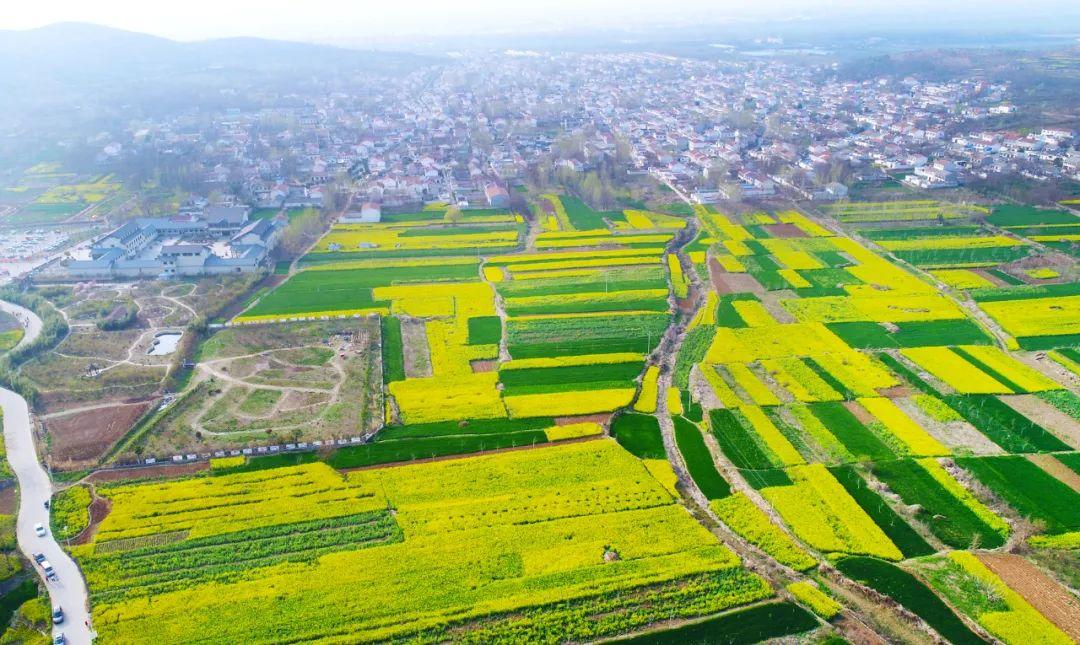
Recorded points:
(35, 488)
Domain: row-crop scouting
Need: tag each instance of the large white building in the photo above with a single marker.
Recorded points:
(216, 241)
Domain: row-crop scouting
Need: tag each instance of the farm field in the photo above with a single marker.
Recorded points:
(477, 548)
(577, 424)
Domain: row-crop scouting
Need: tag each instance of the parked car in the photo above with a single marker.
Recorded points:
(48, 569)
(57, 615)
(39, 529)
(60, 639)
(39, 557)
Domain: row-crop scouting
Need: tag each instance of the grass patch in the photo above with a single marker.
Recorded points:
(640, 434)
(383, 452)
(393, 350)
(928, 333)
(485, 330)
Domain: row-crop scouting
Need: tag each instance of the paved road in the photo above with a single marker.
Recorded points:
(35, 487)
(30, 322)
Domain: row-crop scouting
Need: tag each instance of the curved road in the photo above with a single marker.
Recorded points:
(35, 487)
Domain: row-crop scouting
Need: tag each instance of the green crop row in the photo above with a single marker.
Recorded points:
(863, 444)
(699, 460)
(899, 531)
(909, 591)
(928, 333)
(947, 517)
(393, 356)
(1003, 425)
(1030, 490)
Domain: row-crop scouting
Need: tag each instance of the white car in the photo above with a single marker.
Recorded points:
(39, 529)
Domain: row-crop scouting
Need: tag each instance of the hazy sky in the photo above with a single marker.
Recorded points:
(354, 21)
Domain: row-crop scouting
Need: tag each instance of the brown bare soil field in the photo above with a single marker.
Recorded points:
(99, 508)
(784, 230)
(897, 391)
(80, 439)
(167, 471)
(856, 632)
(725, 283)
(859, 411)
(484, 366)
(1046, 595)
(1057, 469)
(9, 500)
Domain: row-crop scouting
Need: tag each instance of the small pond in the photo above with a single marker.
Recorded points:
(165, 343)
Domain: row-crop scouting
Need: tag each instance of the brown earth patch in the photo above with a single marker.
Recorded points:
(99, 509)
(784, 230)
(1055, 421)
(1039, 589)
(725, 282)
(9, 500)
(82, 438)
(1057, 469)
(166, 471)
(998, 282)
(483, 366)
(415, 348)
(859, 411)
(896, 391)
(856, 632)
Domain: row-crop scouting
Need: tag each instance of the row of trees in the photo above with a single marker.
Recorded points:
(53, 330)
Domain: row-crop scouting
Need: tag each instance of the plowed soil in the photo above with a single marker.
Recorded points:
(81, 439)
(1044, 593)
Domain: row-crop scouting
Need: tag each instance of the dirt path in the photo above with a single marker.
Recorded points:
(1039, 589)
(207, 370)
(500, 311)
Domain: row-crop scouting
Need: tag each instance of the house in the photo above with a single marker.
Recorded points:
(369, 213)
(223, 219)
(497, 196)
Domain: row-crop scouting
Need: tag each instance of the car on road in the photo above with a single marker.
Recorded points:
(39, 529)
(59, 639)
(39, 557)
(48, 569)
(57, 615)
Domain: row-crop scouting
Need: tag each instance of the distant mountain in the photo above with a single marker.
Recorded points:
(79, 51)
